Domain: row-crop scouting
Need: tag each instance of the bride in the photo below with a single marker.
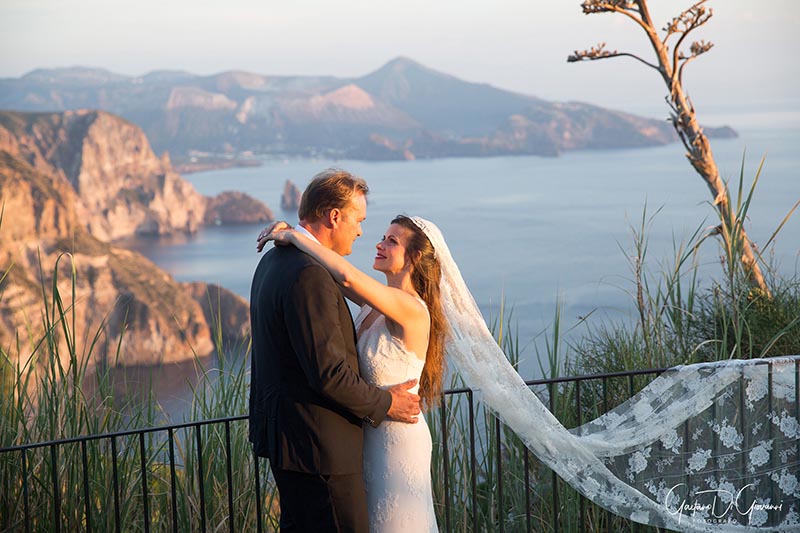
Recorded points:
(710, 447)
(400, 331)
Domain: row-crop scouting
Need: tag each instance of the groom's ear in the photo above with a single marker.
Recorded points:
(334, 217)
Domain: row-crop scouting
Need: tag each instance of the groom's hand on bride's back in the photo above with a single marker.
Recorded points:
(405, 405)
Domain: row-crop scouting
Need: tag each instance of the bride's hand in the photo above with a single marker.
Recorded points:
(265, 237)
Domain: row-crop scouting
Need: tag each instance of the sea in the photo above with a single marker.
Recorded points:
(532, 236)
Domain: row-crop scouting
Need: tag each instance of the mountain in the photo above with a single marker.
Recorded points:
(75, 76)
(71, 184)
(402, 110)
(442, 102)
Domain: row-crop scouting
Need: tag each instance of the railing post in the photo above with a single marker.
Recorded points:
(87, 501)
(143, 462)
(56, 488)
(715, 441)
(774, 452)
(200, 477)
(582, 500)
(743, 430)
(686, 436)
(605, 410)
(631, 388)
(473, 461)
(500, 506)
(259, 503)
(117, 524)
(527, 466)
(230, 475)
(445, 453)
(172, 480)
(26, 502)
(555, 476)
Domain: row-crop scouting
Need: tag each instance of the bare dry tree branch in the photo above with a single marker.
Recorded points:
(606, 6)
(624, 7)
(690, 20)
(644, 11)
(674, 117)
(678, 24)
(670, 64)
(687, 22)
(698, 48)
(690, 103)
(599, 52)
(595, 52)
(670, 29)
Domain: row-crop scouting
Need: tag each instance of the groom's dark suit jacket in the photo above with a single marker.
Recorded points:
(307, 399)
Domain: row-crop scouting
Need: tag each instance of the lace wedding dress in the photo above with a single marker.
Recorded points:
(397, 456)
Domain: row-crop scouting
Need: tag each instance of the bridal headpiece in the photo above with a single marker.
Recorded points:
(428, 228)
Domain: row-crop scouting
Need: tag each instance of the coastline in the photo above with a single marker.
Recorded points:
(199, 164)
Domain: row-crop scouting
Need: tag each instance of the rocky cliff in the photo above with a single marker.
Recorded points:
(122, 188)
(56, 170)
(290, 199)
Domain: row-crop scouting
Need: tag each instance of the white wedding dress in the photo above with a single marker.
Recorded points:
(397, 456)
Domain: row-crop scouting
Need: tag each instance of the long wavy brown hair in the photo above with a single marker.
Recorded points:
(426, 277)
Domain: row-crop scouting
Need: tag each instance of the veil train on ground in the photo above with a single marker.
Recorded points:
(711, 447)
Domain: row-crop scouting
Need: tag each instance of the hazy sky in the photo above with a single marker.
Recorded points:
(519, 45)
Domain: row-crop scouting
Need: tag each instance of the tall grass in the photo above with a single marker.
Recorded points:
(681, 320)
(98, 483)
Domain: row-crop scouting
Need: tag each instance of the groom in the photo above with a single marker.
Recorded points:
(307, 399)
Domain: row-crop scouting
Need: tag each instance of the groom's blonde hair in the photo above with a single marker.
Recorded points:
(330, 189)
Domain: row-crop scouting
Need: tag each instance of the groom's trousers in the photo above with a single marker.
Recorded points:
(324, 503)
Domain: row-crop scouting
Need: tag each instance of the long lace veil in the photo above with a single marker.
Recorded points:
(709, 447)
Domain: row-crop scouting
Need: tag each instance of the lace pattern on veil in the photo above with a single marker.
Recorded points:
(711, 447)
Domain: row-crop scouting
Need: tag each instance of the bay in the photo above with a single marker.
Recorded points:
(528, 232)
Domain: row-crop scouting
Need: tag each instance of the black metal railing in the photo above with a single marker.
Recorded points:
(507, 471)
(201, 476)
